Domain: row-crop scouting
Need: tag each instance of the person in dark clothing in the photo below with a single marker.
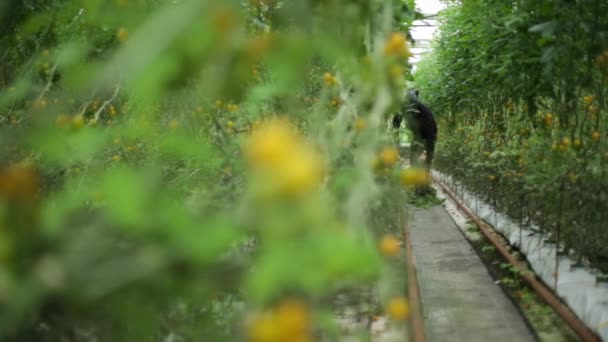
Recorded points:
(420, 120)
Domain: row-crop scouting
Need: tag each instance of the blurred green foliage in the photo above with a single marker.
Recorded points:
(127, 209)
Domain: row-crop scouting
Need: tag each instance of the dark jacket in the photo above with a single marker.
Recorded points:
(420, 120)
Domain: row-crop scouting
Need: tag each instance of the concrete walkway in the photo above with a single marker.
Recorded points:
(460, 300)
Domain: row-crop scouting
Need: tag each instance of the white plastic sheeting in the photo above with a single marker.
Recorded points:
(576, 286)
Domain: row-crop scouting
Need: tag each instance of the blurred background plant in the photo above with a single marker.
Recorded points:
(178, 170)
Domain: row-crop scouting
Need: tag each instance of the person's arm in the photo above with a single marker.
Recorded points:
(397, 119)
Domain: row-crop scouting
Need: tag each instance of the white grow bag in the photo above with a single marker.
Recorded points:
(576, 286)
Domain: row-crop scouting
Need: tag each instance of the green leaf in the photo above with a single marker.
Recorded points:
(204, 242)
(65, 147)
(128, 197)
(546, 28)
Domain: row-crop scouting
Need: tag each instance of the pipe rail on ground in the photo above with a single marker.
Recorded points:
(579, 328)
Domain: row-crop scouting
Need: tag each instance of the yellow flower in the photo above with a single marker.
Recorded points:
(77, 122)
(360, 125)
(115, 158)
(492, 178)
(396, 45)
(415, 176)
(329, 79)
(389, 156)
(548, 119)
(398, 309)
(335, 101)
(294, 317)
(593, 109)
(595, 136)
(577, 143)
(290, 320)
(122, 34)
(263, 328)
(566, 142)
(301, 174)
(278, 154)
(588, 100)
(390, 245)
(271, 143)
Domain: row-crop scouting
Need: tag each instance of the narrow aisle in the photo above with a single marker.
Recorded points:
(460, 301)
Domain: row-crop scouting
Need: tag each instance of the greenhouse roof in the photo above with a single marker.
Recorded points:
(423, 31)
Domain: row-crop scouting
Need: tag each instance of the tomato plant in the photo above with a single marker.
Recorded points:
(187, 169)
(520, 87)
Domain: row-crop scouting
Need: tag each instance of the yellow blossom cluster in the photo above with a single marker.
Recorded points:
(290, 320)
(283, 160)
